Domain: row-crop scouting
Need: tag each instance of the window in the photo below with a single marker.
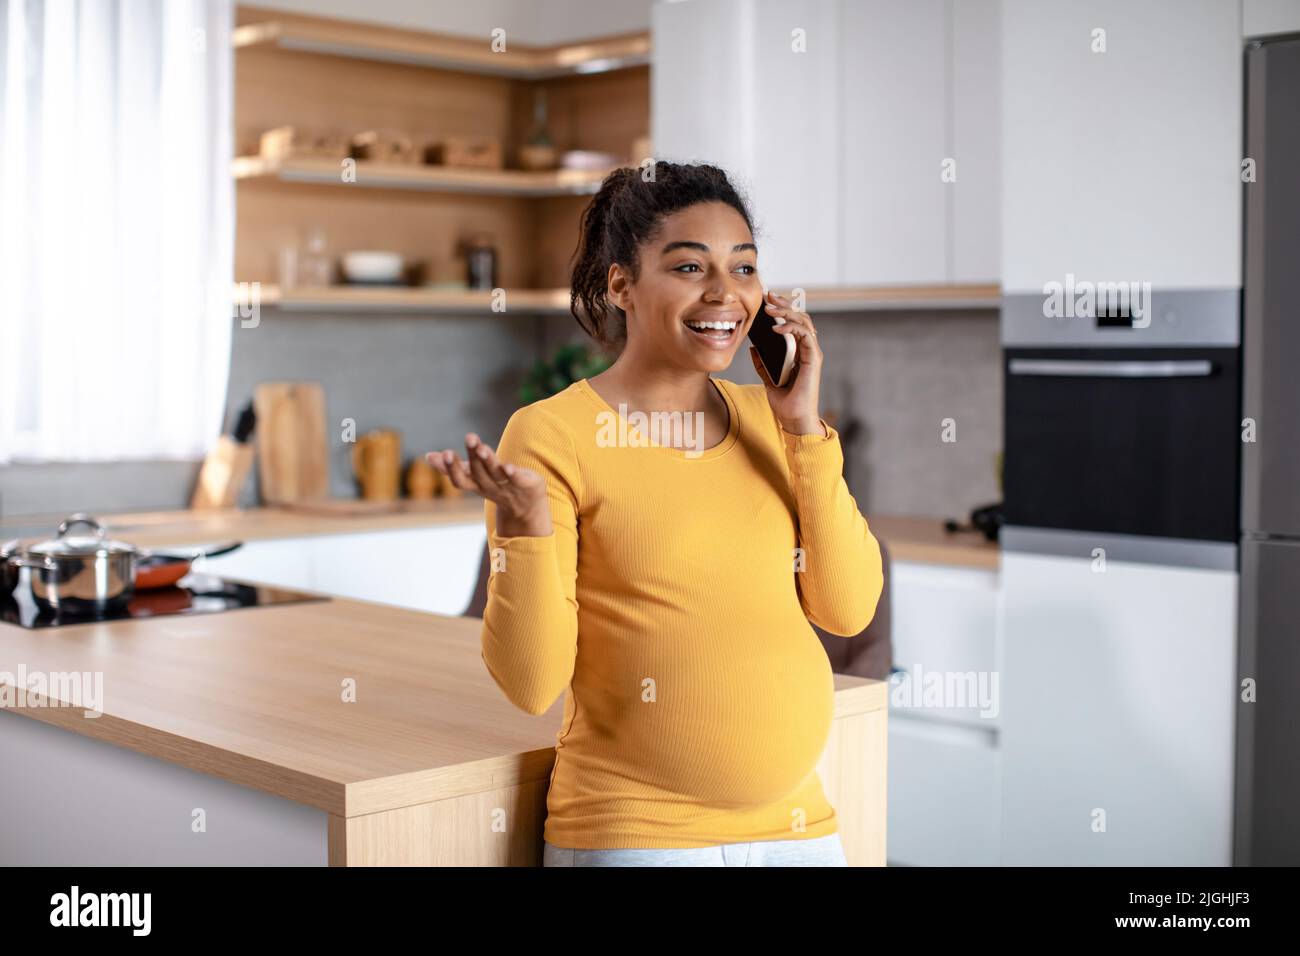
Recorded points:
(116, 227)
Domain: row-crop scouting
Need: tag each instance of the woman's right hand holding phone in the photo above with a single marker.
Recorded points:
(518, 493)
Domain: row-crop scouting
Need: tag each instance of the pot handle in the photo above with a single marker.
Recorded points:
(22, 561)
(73, 520)
(193, 554)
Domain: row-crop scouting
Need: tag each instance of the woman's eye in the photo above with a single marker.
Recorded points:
(746, 269)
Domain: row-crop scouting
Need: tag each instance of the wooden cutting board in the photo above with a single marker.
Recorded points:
(292, 451)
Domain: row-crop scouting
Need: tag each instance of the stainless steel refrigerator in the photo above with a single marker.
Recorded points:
(1267, 800)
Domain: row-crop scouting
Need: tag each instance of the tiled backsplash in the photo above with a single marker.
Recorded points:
(904, 375)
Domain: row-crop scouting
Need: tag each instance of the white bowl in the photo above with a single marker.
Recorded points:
(587, 159)
(370, 265)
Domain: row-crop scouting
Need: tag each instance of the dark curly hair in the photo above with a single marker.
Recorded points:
(628, 210)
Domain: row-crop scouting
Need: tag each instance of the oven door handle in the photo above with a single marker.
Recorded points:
(1189, 368)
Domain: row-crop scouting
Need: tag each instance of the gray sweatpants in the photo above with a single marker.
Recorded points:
(819, 851)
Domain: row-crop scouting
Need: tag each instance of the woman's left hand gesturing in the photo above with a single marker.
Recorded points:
(795, 405)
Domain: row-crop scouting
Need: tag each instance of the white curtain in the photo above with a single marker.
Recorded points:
(116, 227)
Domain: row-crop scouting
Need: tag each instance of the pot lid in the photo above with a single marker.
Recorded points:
(91, 544)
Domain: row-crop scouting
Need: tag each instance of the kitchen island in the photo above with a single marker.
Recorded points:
(336, 732)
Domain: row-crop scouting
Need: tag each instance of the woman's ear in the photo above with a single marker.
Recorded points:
(620, 287)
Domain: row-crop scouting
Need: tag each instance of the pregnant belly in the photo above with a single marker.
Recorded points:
(737, 731)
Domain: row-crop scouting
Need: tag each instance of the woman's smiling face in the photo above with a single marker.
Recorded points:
(701, 269)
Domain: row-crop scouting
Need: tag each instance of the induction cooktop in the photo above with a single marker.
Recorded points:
(193, 594)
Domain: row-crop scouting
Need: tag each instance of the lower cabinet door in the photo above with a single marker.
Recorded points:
(282, 562)
(943, 793)
(426, 569)
(944, 642)
(1118, 698)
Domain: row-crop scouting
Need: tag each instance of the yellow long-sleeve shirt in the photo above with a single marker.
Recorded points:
(672, 600)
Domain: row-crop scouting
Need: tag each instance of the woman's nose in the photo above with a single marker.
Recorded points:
(721, 291)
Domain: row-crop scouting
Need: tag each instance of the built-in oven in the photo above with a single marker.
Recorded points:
(1127, 441)
(1125, 426)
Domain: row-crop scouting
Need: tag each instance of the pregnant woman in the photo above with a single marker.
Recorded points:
(665, 576)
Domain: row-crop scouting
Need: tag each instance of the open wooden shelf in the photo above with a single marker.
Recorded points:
(447, 179)
(432, 301)
(442, 51)
(340, 78)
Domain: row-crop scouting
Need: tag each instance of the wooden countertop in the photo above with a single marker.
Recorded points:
(925, 541)
(918, 539)
(157, 529)
(255, 696)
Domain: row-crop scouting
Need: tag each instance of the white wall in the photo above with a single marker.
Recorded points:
(530, 21)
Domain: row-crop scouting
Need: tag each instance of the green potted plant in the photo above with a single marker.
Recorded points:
(569, 364)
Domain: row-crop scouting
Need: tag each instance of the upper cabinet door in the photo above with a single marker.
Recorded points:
(1121, 162)
(797, 156)
(702, 105)
(751, 87)
(894, 214)
(841, 118)
(976, 109)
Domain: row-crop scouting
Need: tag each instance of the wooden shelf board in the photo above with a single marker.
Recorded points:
(556, 301)
(407, 299)
(496, 182)
(329, 37)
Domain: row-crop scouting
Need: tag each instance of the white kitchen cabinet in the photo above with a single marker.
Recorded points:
(943, 794)
(841, 147)
(701, 109)
(1121, 165)
(893, 220)
(1119, 689)
(944, 629)
(427, 569)
(944, 757)
(731, 89)
(282, 562)
(975, 114)
(794, 162)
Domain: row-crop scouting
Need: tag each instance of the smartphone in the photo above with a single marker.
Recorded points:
(776, 350)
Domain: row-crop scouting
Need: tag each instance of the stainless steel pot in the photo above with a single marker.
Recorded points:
(87, 573)
(79, 573)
